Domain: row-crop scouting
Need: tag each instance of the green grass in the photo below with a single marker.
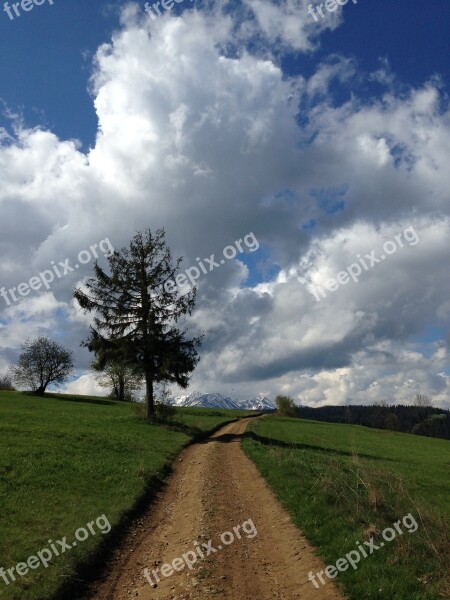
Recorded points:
(206, 419)
(344, 483)
(65, 461)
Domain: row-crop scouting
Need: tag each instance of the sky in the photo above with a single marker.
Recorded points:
(322, 140)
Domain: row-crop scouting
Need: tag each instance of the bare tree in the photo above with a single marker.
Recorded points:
(164, 410)
(382, 402)
(43, 362)
(422, 400)
(122, 380)
(6, 383)
(163, 393)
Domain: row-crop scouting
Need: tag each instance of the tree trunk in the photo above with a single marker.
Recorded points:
(150, 408)
(40, 391)
(121, 388)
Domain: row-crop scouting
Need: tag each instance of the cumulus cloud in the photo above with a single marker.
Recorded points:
(203, 133)
(85, 385)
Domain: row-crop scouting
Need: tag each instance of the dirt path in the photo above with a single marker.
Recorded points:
(214, 489)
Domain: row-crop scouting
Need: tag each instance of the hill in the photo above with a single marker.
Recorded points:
(66, 461)
(346, 484)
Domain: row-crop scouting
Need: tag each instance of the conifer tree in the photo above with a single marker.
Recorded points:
(137, 313)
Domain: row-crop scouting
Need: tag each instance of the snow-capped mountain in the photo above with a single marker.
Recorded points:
(205, 401)
(259, 403)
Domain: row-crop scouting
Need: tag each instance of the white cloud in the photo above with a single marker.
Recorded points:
(85, 385)
(213, 144)
(289, 23)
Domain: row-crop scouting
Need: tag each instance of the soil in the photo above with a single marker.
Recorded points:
(215, 488)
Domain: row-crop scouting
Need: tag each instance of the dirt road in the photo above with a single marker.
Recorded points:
(214, 489)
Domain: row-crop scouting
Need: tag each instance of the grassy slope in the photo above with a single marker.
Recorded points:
(338, 480)
(64, 461)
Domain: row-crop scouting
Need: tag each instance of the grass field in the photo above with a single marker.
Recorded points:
(67, 460)
(343, 483)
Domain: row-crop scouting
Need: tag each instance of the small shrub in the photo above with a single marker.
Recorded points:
(285, 406)
(139, 409)
(6, 383)
(166, 413)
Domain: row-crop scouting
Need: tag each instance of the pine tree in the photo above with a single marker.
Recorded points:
(136, 314)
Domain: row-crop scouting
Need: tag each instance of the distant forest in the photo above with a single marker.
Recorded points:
(419, 420)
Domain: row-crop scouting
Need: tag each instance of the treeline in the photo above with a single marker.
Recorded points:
(420, 420)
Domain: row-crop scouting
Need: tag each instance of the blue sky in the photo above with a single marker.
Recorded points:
(220, 118)
(41, 48)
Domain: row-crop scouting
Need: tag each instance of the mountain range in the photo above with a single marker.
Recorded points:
(215, 400)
